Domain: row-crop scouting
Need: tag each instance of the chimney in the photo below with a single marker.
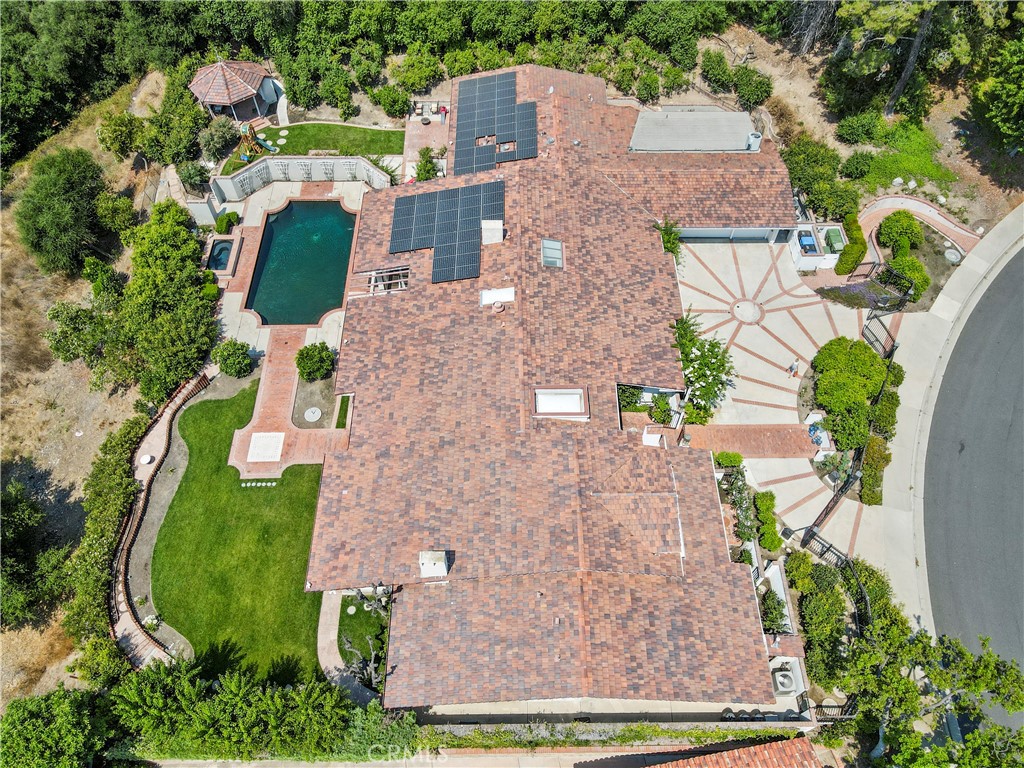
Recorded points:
(753, 142)
(433, 563)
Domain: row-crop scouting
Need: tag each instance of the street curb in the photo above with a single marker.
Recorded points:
(926, 412)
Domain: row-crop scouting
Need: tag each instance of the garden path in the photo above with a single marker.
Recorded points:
(873, 213)
(328, 653)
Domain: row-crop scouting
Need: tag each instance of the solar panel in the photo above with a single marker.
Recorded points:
(487, 107)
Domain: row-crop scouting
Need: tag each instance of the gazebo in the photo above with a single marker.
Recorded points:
(241, 86)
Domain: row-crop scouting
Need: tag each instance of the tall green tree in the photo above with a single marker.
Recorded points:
(63, 729)
(1004, 94)
(56, 215)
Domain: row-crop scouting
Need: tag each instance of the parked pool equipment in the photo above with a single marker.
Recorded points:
(253, 145)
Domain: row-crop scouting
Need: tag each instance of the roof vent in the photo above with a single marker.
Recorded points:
(754, 142)
(433, 563)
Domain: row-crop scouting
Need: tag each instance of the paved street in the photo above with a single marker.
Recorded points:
(974, 483)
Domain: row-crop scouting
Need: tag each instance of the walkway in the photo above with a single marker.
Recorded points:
(329, 655)
(278, 442)
(140, 648)
(751, 296)
(759, 441)
(924, 210)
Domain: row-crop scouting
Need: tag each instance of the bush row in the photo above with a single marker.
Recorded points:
(855, 249)
(768, 534)
(876, 459)
(822, 611)
(109, 491)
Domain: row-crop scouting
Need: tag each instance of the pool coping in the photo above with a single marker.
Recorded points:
(259, 243)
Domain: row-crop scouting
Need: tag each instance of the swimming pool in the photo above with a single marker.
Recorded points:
(220, 254)
(302, 263)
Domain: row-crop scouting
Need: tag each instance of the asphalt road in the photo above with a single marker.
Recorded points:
(974, 478)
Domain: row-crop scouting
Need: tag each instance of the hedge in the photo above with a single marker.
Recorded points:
(856, 248)
(764, 503)
(876, 459)
(225, 222)
(883, 416)
(109, 491)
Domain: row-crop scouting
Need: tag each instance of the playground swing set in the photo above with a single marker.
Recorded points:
(253, 145)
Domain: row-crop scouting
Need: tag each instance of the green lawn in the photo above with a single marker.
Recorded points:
(230, 562)
(347, 139)
(908, 152)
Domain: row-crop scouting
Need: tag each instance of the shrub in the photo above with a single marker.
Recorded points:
(849, 428)
(838, 390)
(896, 374)
(218, 138)
(833, 199)
(669, 231)
(115, 212)
(233, 358)
(102, 662)
(876, 459)
(856, 358)
(394, 101)
(629, 397)
(773, 614)
(745, 557)
(902, 248)
(728, 459)
(683, 53)
(716, 71)
(193, 175)
(908, 266)
(210, 292)
(855, 250)
(426, 168)
(900, 224)
(824, 577)
(315, 361)
(769, 537)
(648, 87)
(810, 161)
(784, 119)
(661, 411)
(857, 165)
(883, 417)
(753, 88)
(765, 502)
(859, 129)
(673, 80)
(225, 222)
(798, 570)
(624, 76)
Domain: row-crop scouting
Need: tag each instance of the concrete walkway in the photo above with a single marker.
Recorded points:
(893, 534)
(924, 210)
(327, 650)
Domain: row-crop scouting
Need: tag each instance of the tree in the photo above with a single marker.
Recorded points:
(394, 101)
(648, 87)
(233, 358)
(59, 730)
(426, 168)
(753, 88)
(102, 662)
(218, 138)
(706, 364)
(193, 175)
(420, 69)
(115, 212)
(1004, 94)
(56, 215)
(773, 614)
(314, 361)
(900, 224)
(810, 162)
(120, 133)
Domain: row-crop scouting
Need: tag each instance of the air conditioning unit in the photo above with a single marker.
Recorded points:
(784, 682)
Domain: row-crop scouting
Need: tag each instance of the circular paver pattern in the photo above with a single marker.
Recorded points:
(747, 311)
(312, 414)
(952, 255)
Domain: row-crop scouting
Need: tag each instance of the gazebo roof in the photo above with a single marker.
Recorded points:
(227, 82)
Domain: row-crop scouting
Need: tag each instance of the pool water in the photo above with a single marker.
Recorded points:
(220, 254)
(302, 263)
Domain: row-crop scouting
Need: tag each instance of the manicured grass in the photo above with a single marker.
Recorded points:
(342, 413)
(230, 562)
(909, 153)
(347, 139)
(358, 626)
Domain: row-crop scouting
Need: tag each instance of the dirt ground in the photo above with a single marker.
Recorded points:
(51, 422)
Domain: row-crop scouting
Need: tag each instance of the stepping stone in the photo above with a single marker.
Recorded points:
(350, 610)
(282, 141)
(283, 133)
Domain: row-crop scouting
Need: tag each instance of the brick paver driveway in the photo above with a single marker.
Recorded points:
(751, 296)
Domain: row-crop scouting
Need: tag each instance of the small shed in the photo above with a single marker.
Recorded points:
(244, 88)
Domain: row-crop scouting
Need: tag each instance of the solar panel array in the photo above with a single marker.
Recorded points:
(449, 222)
(487, 107)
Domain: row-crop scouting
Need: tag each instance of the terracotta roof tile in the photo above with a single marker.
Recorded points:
(545, 519)
(794, 753)
(227, 82)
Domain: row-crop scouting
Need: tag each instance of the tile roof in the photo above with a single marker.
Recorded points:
(546, 520)
(227, 82)
(794, 753)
